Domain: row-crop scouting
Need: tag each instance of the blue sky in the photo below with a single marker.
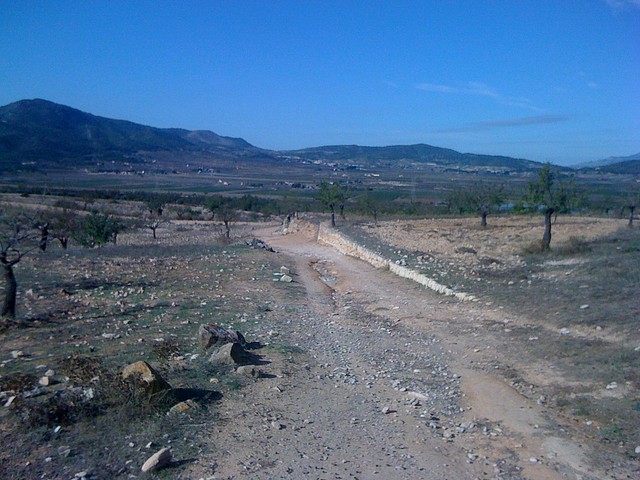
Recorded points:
(554, 80)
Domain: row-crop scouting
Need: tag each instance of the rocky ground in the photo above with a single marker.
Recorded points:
(363, 374)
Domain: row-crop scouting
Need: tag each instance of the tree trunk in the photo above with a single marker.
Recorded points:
(10, 291)
(546, 238)
(227, 230)
(483, 221)
(632, 209)
(63, 242)
(342, 212)
(153, 230)
(44, 237)
(333, 217)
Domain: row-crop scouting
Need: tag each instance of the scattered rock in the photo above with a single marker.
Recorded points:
(212, 335)
(17, 354)
(64, 451)
(286, 278)
(158, 460)
(612, 386)
(153, 382)
(229, 354)
(45, 381)
(285, 271)
(249, 371)
(565, 331)
(182, 407)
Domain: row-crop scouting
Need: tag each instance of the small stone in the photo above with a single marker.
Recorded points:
(45, 381)
(637, 449)
(158, 460)
(277, 425)
(49, 373)
(565, 331)
(82, 474)
(64, 451)
(17, 354)
(153, 382)
(9, 401)
(386, 410)
(533, 460)
(182, 407)
(612, 386)
(286, 278)
(249, 371)
(285, 270)
(583, 307)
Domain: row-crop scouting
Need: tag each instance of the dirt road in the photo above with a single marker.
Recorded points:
(394, 382)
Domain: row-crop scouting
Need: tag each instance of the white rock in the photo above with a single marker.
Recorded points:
(286, 278)
(158, 460)
(44, 381)
(612, 386)
(17, 353)
(638, 449)
(565, 331)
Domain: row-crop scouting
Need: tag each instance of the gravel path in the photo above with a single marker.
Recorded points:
(382, 383)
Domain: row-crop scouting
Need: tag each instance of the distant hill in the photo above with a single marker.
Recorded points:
(606, 161)
(40, 135)
(627, 167)
(416, 153)
(47, 134)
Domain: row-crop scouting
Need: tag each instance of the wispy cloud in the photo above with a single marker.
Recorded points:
(432, 87)
(508, 123)
(482, 90)
(622, 4)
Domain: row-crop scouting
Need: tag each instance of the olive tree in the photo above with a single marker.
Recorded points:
(333, 195)
(17, 239)
(552, 195)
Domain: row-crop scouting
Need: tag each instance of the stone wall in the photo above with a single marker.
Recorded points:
(339, 241)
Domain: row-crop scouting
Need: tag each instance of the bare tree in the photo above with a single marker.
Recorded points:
(479, 197)
(16, 240)
(153, 222)
(227, 216)
(369, 204)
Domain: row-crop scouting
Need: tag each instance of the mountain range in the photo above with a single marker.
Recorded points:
(39, 135)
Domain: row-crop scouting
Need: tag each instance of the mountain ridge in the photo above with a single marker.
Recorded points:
(44, 134)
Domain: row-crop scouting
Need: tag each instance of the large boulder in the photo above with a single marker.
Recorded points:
(229, 354)
(150, 378)
(212, 335)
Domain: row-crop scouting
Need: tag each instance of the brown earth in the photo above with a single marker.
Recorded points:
(366, 375)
